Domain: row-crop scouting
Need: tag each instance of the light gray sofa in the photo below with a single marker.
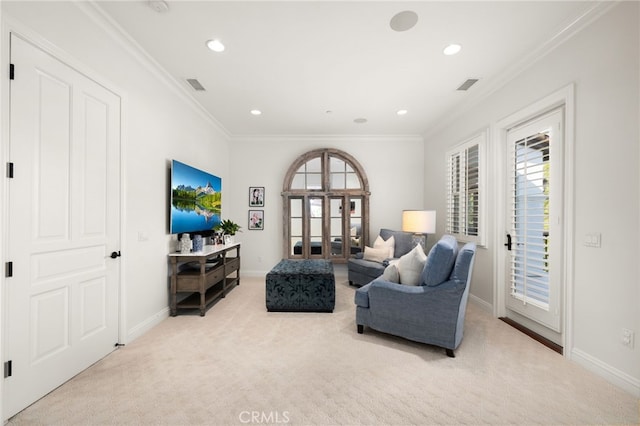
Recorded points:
(432, 312)
(361, 271)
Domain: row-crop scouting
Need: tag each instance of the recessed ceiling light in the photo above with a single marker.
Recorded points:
(452, 49)
(215, 45)
(360, 120)
(256, 112)
(404, 21)
(402, 112)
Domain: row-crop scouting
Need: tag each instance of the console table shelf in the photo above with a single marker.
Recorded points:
(215, 273)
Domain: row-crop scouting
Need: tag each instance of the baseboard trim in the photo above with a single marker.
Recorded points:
(484, 305)
(548, 343)
(147, 325)
(607, 372)
(253, 273)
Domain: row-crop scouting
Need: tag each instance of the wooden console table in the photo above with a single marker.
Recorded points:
(207, 275)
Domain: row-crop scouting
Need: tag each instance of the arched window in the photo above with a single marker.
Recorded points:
(326, 206)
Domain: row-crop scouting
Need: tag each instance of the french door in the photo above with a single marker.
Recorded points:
(64, 222)
(534, 239)
(321, 227)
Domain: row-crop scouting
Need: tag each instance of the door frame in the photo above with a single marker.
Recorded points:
(564, 97)
(7, 27)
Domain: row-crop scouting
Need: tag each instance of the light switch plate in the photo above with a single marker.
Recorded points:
(593, 240)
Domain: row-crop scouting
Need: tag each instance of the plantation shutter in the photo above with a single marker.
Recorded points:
(464, 191)
(530, 219)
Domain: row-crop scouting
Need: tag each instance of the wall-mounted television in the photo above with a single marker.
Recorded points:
(196, 200)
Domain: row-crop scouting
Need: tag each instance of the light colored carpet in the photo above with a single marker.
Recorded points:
(242, 365)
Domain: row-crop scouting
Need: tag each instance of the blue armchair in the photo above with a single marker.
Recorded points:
(362, 271)
(432, 312)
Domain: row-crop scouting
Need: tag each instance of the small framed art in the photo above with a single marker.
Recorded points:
(256, 220)
(256, 196)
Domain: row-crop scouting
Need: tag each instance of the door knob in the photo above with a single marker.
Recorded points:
(115, 254)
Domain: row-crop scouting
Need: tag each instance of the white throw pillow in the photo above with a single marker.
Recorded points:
(390, 245)
(391, 273)
(375, 254)
(411, 265)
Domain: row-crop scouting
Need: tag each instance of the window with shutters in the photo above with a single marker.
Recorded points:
(465, 190)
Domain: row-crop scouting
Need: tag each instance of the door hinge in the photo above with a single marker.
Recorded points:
(8, 269)
(8, 369)
(12, 72)
(10, 170)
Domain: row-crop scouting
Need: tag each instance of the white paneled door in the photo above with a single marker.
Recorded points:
(534, 219)
(64, 224)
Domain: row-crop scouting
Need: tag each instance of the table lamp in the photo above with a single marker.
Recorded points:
(419, 222)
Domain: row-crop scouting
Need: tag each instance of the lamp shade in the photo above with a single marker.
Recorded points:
(419, 221)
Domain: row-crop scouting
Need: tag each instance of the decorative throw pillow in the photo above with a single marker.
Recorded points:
(389, 244)
(440, 261)
(375, 254)
(411, 265)
(391, 273)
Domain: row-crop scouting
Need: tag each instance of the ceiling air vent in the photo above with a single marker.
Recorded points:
(196, 85)
(467, 84)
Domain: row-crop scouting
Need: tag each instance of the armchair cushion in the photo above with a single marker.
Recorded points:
(411, 265)
(391, 273)
(440, 261)
(403, 241)
(464, 263)
(376, 254)
(388, 244)
(362, 271)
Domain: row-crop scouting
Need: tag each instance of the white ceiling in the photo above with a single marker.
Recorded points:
(297, 60)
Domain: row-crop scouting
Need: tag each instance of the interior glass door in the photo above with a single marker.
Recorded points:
(296, 223)
(316, 226)
(356, 243)
(336, 228)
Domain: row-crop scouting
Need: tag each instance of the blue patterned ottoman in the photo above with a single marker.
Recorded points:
(301, 286)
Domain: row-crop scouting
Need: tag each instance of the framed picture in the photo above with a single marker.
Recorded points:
(256, 196)
(256, 220)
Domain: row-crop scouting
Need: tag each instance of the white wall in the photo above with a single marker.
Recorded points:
(158, 124)
(393, 166)
(602, 61)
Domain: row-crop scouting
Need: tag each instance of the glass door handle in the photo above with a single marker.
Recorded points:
(508, 243)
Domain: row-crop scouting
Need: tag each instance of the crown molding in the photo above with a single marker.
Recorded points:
(497, 82)
(327, 138)
(94, 12)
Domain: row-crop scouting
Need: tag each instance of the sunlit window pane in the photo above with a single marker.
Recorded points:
(314, 165)
(337, 181)
(352, 181)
